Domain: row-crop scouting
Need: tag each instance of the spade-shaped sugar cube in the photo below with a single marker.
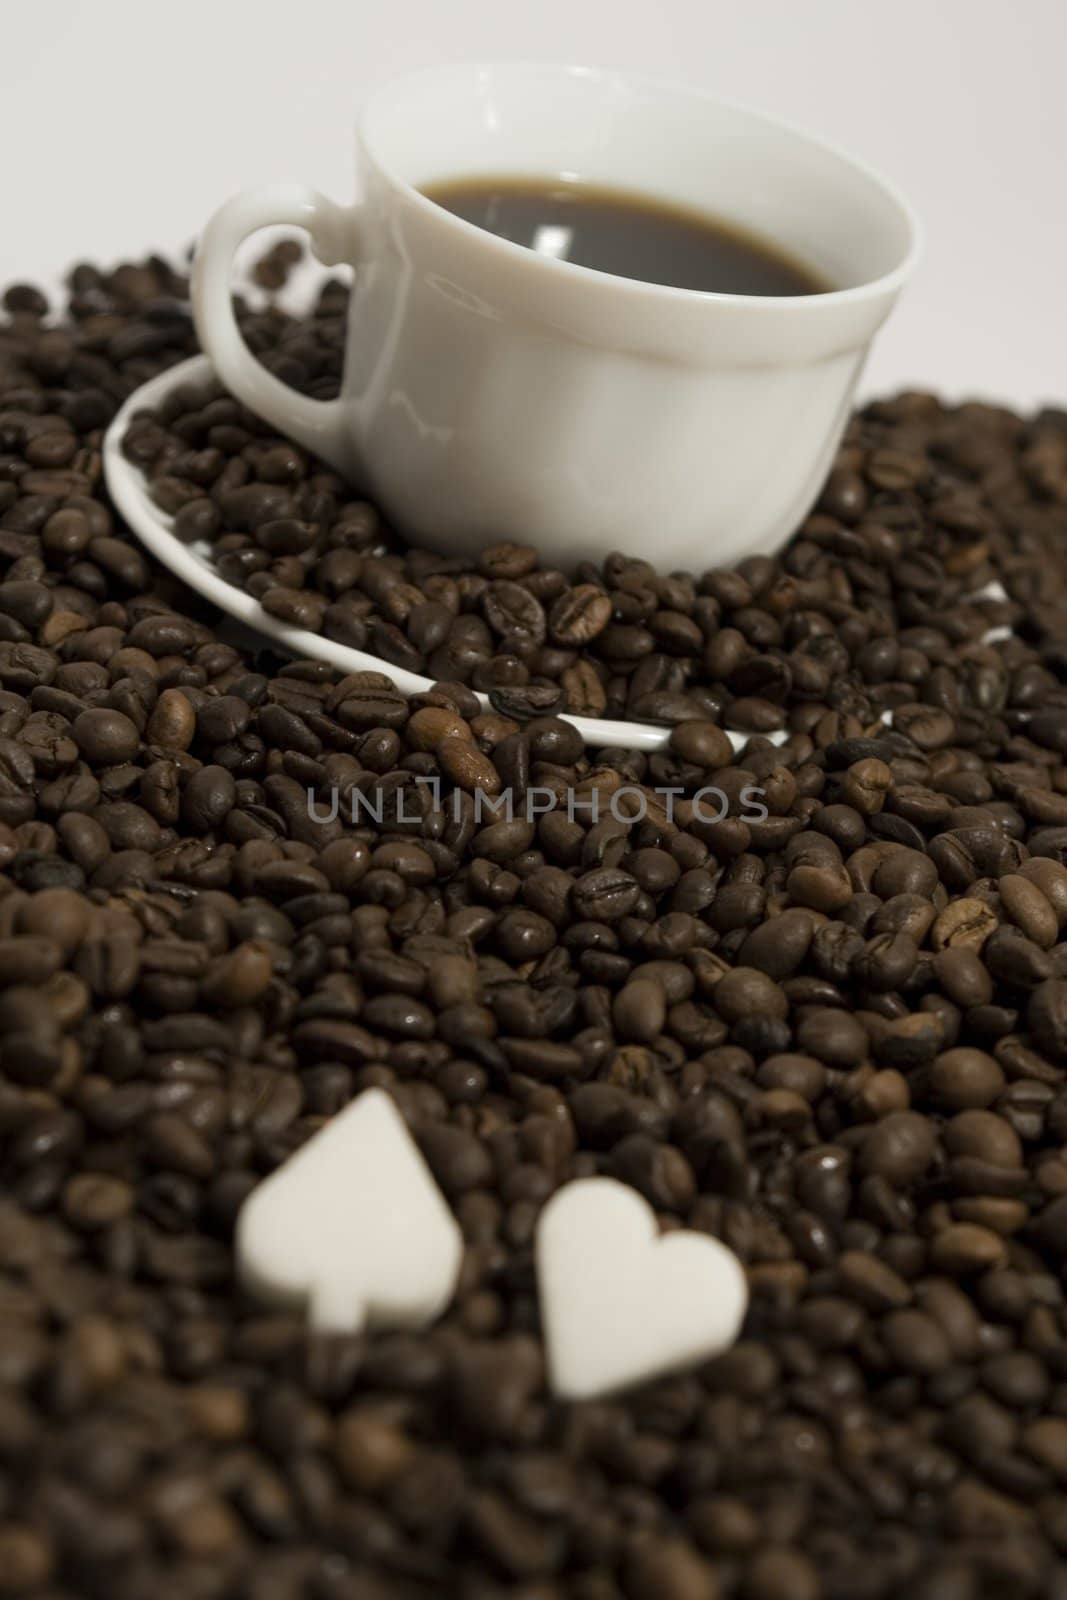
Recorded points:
(353, 1226)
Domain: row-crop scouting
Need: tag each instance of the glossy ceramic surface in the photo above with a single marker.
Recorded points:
(493, 392)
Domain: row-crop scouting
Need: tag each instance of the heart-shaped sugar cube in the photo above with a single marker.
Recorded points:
(622, 1303)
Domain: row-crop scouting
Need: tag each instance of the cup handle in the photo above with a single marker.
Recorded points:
(316, 424)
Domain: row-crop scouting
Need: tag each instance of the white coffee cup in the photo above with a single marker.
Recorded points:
(492, 392)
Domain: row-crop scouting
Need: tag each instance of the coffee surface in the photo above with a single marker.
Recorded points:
(628, 234)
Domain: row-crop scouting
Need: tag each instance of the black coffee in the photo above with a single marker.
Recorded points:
(631, 235)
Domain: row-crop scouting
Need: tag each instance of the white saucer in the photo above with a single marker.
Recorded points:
(128, 488)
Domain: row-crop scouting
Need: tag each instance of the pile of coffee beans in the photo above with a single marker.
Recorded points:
(834, 1037)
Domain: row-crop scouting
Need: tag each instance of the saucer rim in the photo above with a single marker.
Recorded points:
(127, 486)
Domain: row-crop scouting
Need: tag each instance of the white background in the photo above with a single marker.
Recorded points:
(123, 123)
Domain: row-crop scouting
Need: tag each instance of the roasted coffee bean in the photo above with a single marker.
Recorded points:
(834, 1037)
(1029, 909)
(963, 977)
(172, 722)
(605, 895)
(640, 1010)
(579, 615)
(208, 798)
(1047, 1017)
(899, 1148)
(965, 1079)
(222, 719)
(510, 609)
(779, 946)
(105, 738)
(524, 702)
(430, 724)
(463, 764)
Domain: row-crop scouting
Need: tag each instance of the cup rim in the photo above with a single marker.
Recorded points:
(635, 288)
